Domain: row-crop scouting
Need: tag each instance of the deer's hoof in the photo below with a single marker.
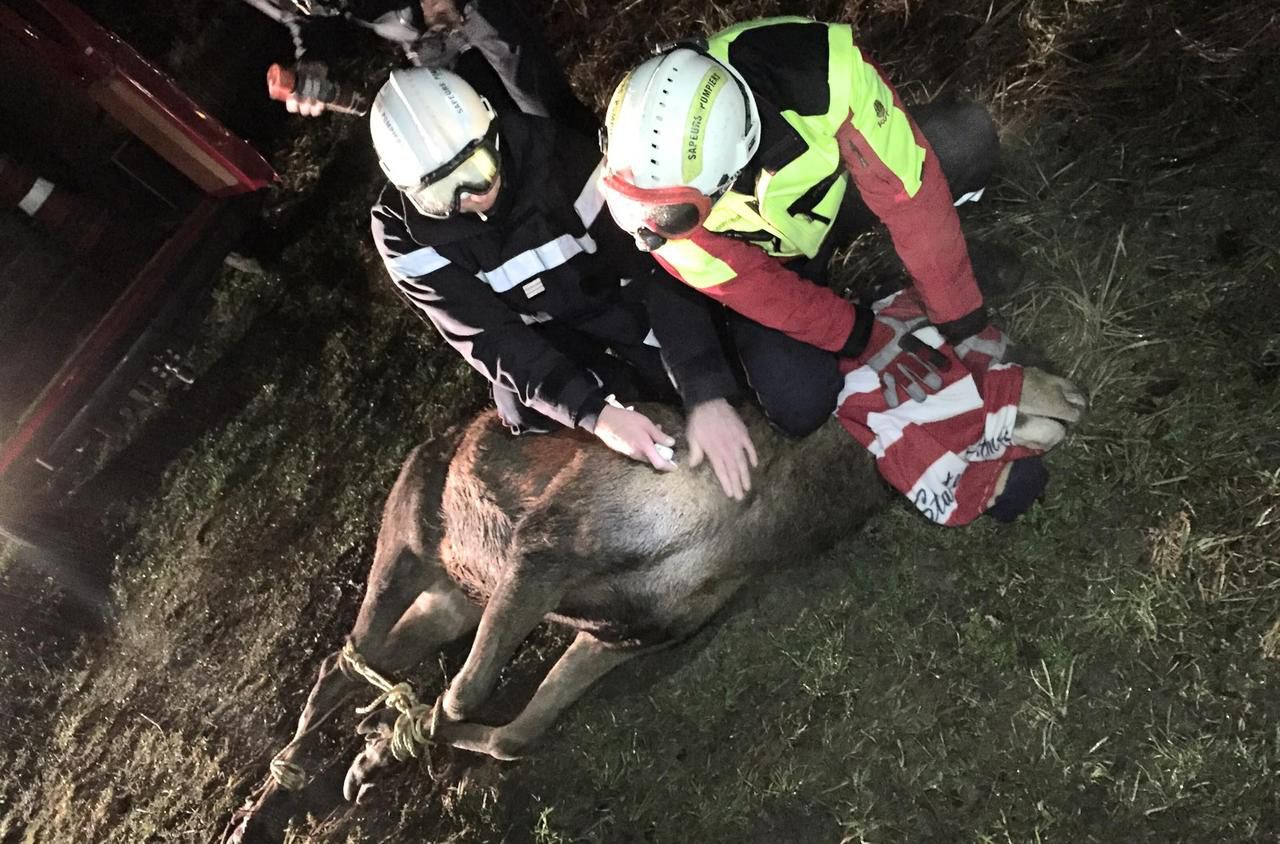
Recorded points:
(1075, 399)
(478, 738)
(1038, 432)
(1051, 396)
(378, 724)
(453, 704)
(375, 757)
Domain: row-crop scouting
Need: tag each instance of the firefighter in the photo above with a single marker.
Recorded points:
(493, 44)
(493, 229)
(742, 161)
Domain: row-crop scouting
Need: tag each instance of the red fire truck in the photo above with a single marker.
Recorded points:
(121, 196)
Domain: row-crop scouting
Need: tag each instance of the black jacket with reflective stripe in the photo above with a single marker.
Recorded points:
(547, 252)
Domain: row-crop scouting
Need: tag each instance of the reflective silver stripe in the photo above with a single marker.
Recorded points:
(419, 262)
(971, 196)
(36, 196)
(651, 340)
(396, 27)
(536, 261)
(591, 199)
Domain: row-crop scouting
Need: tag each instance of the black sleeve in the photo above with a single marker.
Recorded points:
(684, 323)
(489, 335)
(511, 41)
(319, 39)
(683, 320)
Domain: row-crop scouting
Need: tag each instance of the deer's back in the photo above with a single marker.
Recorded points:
(563, 506)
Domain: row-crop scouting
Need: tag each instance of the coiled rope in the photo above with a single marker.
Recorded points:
(410, 733)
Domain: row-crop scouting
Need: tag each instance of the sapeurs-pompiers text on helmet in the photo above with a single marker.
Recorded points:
(679, 129)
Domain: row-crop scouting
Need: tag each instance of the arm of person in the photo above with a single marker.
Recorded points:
(511, 41)
(320, 38)
(635, 435)
(496, 342)
(686, 331)
(685, 327)
(315, 40)
(757, 285)
(899, 178)
(716, 431)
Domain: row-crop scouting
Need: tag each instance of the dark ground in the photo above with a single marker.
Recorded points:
(1104, 670)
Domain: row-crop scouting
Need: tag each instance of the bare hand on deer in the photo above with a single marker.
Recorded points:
(634, 435)
(716, 431)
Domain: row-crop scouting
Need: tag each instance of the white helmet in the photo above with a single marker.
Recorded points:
(436, 138)
(680, 127)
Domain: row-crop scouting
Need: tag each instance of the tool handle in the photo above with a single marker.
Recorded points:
(282, 83)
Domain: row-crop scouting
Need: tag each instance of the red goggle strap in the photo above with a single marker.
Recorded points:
(658, 197)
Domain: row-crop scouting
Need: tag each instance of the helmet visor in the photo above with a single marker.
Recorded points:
(474, 170)
(673, 213)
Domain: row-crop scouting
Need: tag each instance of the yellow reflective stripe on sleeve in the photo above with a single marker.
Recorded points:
(841, 59)
(735, 212)
(694, 265)
(883, 124)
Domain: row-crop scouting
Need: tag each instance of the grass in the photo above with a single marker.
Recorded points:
(1101, 671)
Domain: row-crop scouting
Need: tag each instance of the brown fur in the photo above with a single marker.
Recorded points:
(609, 532)
(493, 533)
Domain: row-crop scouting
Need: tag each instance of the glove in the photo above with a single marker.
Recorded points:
(312, 81)
(305, 90)
(979, 351)
(988, 346)
(909, 368)
(975, 340)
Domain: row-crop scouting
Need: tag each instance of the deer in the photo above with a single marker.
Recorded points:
(491, 533)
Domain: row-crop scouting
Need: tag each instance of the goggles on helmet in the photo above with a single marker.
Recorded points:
(474, 170)
(670, 213)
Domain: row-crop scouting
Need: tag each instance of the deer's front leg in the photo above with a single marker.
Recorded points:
(584, 662)
(515, 608)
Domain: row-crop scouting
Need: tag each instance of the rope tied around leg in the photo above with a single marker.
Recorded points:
(288, 775)
(407, 735)
(411, 731)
